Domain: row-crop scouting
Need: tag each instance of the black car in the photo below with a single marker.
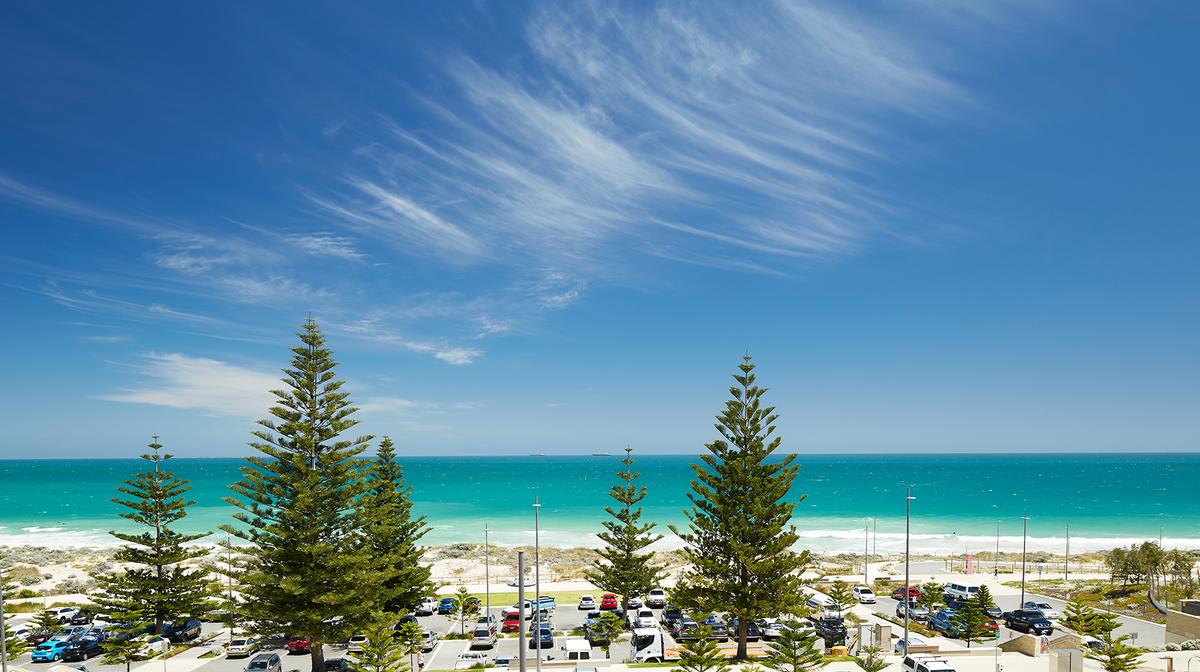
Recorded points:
(83, 648)
(594, 634)
(720, 631)
(832, 630)
(337, 665)
(182, 631)
(753, 631)
(671, 613)
(1028, 620)
(83, 617)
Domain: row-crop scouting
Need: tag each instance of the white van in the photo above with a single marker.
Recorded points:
(577, 648)
(960, 592)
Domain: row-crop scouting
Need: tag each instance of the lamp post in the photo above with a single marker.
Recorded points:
(3, 630)
(521, 606)
(487, 578)
(1067, 562)
(866, 557)
(1024, 548)
(537, 584)
(996, 558)
(908, 498)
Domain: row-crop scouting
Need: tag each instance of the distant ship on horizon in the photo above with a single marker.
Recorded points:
(601, 454)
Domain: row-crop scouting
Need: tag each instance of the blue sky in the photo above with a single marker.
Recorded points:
(556, 227)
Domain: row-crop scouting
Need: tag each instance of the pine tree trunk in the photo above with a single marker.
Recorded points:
(743, 629)
(317, 655)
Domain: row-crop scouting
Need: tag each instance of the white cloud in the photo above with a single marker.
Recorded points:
(178, 381)
(327, 245)
(372, 330)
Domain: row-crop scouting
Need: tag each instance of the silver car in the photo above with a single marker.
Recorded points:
(915, 611)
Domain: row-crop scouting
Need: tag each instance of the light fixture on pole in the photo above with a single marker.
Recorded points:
(908, 498)
(537, 584)
(866, 550)
(1024, 548)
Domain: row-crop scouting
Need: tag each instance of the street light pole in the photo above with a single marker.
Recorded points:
(908, 498)
(996, 559)
(1067, 562)
(521, 606)
(3, 629)
(866, 559)
(1024, 547)
(487, 578)
(537, 584)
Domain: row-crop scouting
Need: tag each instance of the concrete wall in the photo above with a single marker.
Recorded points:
(1025, 644)
(1182, 627)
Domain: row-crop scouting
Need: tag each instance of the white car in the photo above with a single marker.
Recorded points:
(150, 646)
(529, 582)
(644, 618)
(656, 598)
(426, 607)
(1044, 607)
(468, 659)
(635, 603)
(241, 647)
(587, 603)
(63, 614)
(916, 641)
(864, 595)
(429, 639)
(925, 663)
(356, 644)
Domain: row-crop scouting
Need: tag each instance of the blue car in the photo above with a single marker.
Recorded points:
(50, 651)
(946, 622)
(446, 605)
(544, 638)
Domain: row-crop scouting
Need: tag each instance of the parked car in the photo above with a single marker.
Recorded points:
(864, 595)
(529, 581)
(608, 602)
(594, 634)
(82, 617)
(720, 630)
(265, 662)
(642, 618)
(925, 663)
(512, 622)
(902, 647)
(50, 651)
(1044, 607)
(685, 628)
(959, 591)
(656, 598)
(429, 639)
(915, 611)
(586, 603)
(426, 607)
(445, 605)
(337, 665)
(483, 636)
(1028, 620)
(182, 631)
(299, 645)
(356, 643)
(468, 659)
(818, 602)
(832, 630)
(543, 638)
(753, 632)
(635, 603)
(947, 621)
(670, 613)
(771, 628)
(84, 647)
(63, 614)
(151, 645)
(914, 593)
(241, 647)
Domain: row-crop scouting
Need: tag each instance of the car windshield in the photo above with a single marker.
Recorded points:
(237, 642)
(258, 665)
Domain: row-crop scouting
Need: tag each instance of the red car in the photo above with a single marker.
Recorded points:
(608, 601)
(914, 593)
(512, 623)
(299, 645)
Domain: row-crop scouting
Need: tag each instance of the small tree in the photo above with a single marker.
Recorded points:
(411, 638)
(466, 608)
(382, 652)
(393, 533)
(931, 595)
(840, 597)
(609, 626)
(973, 619)
(46, 622)
(156, 583)
(702, 654)
(1116, 656)
(14, 646)
(122, 647)
(1083, 619)
(872, 659)
(797, 649)
(624, 567)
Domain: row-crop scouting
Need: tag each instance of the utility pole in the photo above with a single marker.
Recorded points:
(1024, 547)
(866, 559)
(521, 605)
(537, 582)
(1067, 563)
(996, 559)
(3, 630)
(487, 578)
(908, 498)
(229, 577)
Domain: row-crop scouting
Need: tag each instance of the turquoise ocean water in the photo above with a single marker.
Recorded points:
(1106, 499)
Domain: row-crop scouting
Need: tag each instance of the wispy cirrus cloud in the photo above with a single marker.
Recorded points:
(374, 331)
(175, 380)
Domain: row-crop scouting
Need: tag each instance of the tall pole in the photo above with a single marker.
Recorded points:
(866, 559)
(1067, 562)
(537, 583)
(1024, 548)
(229, 584)
(521, 606)
(874, 537)
(3, 630)
(908, 498)
(487, 578)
